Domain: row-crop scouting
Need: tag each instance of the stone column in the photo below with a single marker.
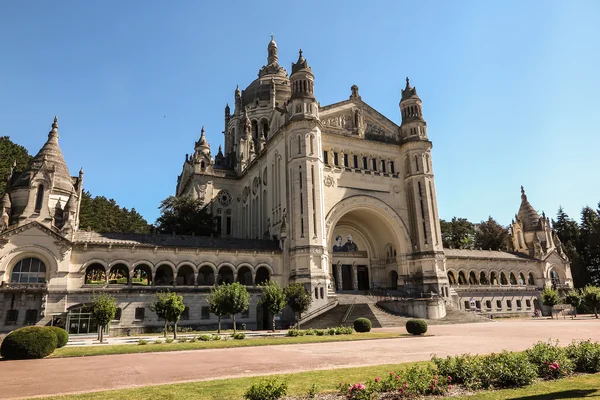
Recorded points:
(354, 277)
(339, 273)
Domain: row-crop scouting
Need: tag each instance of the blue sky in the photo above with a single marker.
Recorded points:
(509, 88)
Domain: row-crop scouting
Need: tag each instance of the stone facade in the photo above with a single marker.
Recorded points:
(336, 197)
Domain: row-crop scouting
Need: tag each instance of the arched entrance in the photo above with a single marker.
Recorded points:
(361, 230)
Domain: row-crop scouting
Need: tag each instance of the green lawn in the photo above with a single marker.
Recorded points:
(81, 351)
(583, 386)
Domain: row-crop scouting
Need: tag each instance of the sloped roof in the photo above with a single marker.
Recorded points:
(486, 254)
(200, 242)
(527, 214)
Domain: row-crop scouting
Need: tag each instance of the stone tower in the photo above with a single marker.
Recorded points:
(420, 188)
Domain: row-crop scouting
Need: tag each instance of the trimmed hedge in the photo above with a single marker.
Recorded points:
(61, 335)
(362, 325)
(416, 326)
(29, 342)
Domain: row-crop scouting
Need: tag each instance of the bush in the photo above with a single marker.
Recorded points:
(331, 331)
(267, 390)
(507, 370)
(169, 340)
(61, 335)
(550, 360)
(416, 326)
(29, 342)
(204, 338)
(215, 337)
(157, 341)
(362, 325)
(463, 369)
(293, 333)
(320, 332)
(585, 356)
(142, 342)
(310, 332)
(239, 336)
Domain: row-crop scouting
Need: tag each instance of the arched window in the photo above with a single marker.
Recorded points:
(118, 275)
(265, 127)
(95, 274)
(483, 280)
(254, 129)
(142, 275)
(299, 144)
(225, 275)
(164, 276)
(393, 280)
(262, 275)
(29, 270)
(493, 278)
(39, 199)
(554, 278)
(462, 280)
(531, 280)
(185, 276)
(513, 279)
(206, 276)
(451, 278)
(472, 278)
(503, 280)
(521, 279)
(245, 276)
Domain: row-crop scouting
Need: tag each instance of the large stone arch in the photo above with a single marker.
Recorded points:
(372, 207)
(46, 256)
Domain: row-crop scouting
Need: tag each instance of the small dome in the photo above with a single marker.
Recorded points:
(527, 214)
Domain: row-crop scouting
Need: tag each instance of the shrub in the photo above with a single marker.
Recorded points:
(585, 356)
(359, 391)
(205, 338)
(463, 369)
(507, 370)
(550, 360)
(362, 325)
(342, 330)
(310, 332)
(320, 332)
(331, 331)
(293, 333)
(61, 335)
(169, 340)
(29, 342)
(267, 390)
(312, 391)
(158, 341)
(142, 342)
(215, 337)
(239, 336)
(182, 340)
(416, 326)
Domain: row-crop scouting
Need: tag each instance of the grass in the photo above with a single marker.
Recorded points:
(582, 386)
(84, 351)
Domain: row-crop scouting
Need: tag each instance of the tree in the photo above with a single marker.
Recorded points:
(104, 215)
(236, 299)
(575, 299)
(168, 306)
(457, 234)
(10, 153)
(273, 298)
(184, 216)
(298, 299)
(216, 302)
(550, 298)
(591, 298)
(104, 309)
(568, 232)
(589, 243)
(491, 235)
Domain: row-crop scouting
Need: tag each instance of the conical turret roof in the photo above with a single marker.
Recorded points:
(527, 214)
(50, 158)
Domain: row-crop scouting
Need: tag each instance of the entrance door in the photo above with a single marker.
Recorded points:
(362, 273)
(81, 324)
(335, 277)
(347, 277)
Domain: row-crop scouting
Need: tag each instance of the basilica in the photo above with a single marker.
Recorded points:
(336, 197)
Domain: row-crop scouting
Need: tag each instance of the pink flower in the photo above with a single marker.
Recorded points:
(431, 387)
(391, 373)
(406, 385)
(449, 378)
(397, 377)
(401, 389)
(377, 379)
(450, 387)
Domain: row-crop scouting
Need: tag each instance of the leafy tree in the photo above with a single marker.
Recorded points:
(100, 214)
(567, 231)
(550, 298)
(217, 303)
(298, 299)
(457, 234)
(575, 299)
(236, 299)
(273, 298)
(591, 298)
(589, 243)
(10, 153)
(168, 306)
(184, 216)
(104, 309)
(491, 235)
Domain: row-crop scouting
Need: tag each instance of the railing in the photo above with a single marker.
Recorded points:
(318, 311)
(23, 286)
(496, 287)
(348, 312)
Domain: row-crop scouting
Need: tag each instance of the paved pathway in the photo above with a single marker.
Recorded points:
(68, 375)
